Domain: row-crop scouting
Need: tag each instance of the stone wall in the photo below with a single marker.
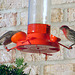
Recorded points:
(14, 16)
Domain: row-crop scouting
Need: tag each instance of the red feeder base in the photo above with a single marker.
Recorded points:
(38, 48)
(34, 45)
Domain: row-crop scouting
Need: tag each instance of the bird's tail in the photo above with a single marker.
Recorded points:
(0, 44)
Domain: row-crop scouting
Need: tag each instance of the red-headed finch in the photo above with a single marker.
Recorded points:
(69, 34)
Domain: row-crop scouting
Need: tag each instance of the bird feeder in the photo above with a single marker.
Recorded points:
(38, 33)
(39, 38)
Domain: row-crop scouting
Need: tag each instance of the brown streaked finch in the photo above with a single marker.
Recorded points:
(5, 39)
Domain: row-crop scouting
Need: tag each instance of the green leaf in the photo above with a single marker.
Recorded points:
(19, 61)
(13, 70)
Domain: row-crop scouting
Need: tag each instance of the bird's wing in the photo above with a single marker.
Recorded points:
(71, 35)
(2, 40)
(6, 37)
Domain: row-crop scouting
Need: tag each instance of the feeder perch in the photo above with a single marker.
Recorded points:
(38, 38)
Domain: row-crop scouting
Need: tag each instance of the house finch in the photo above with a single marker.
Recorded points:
(69, 34)
(5, 39)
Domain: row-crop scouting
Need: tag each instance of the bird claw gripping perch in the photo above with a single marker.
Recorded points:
(70, 47)
(7, 49)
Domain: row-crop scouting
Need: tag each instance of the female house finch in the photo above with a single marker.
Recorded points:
(69, 34)
(5, 39)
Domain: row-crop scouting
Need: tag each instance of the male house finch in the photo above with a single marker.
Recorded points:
(5, 39)
(69, 34)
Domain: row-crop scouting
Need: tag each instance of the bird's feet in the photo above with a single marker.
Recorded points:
(6, 48)
(70, 47)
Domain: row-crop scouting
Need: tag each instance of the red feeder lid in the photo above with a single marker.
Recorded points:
(39, 28)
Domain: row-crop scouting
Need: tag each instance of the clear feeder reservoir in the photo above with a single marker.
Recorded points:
(39, 11)
(39, 16)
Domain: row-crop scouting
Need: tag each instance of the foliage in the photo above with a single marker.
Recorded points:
(13, 70)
